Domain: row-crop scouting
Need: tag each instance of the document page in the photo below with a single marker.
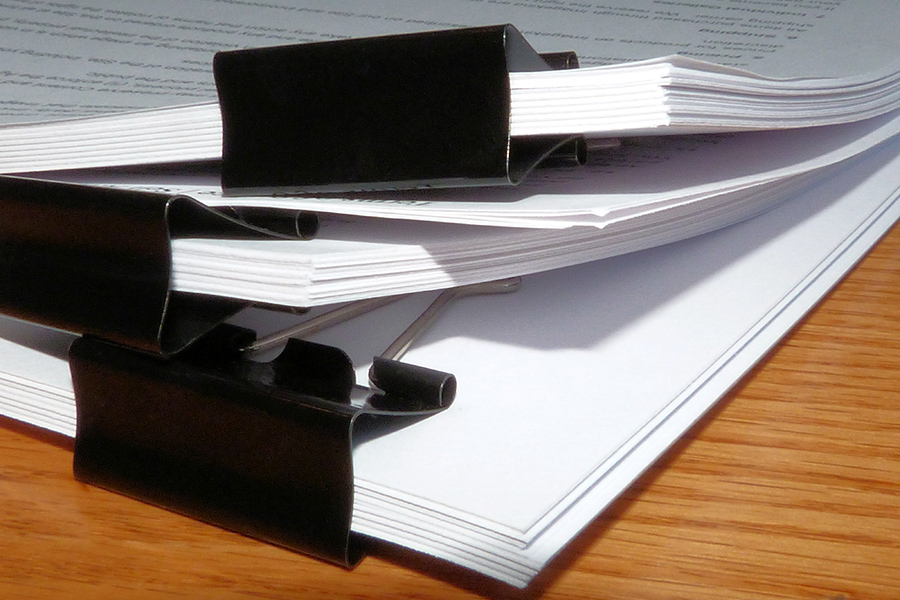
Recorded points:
(568, 388)
(616, 184)
(71, 59)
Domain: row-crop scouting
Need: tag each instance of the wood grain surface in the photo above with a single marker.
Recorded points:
(790, 488)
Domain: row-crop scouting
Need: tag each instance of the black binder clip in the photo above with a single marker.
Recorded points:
(403, 111)
(263, 449)
(98, 261)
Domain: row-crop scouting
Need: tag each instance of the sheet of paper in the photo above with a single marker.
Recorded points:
(35, 385)
(357, 259)
(616, 183)
(149, 53)
(568, 388)
(80, 61)
(578, 354)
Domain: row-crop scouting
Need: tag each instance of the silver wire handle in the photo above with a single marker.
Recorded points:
(403, 342)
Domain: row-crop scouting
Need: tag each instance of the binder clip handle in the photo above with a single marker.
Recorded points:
(404, 380)
(398, 385)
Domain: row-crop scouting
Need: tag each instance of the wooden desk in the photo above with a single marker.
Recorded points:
(789, 489)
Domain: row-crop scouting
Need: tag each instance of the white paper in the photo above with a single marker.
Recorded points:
(573, 386)
(591, 372)
(616, 183)
(90, 57)
(87, 59)
(569, 388)
(357, 260)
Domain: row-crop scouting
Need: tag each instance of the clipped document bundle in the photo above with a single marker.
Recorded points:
(653, 276)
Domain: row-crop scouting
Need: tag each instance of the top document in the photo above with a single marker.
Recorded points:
(93, 57)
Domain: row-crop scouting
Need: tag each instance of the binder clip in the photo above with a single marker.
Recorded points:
(98, 261)
(403, 111)
(263, 449)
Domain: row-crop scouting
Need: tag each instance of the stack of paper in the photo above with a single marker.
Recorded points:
(679, 95)
(35, 385)
(571, 387)
(92, 86)
(631, 198)
(714, 245)
(568, 388)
